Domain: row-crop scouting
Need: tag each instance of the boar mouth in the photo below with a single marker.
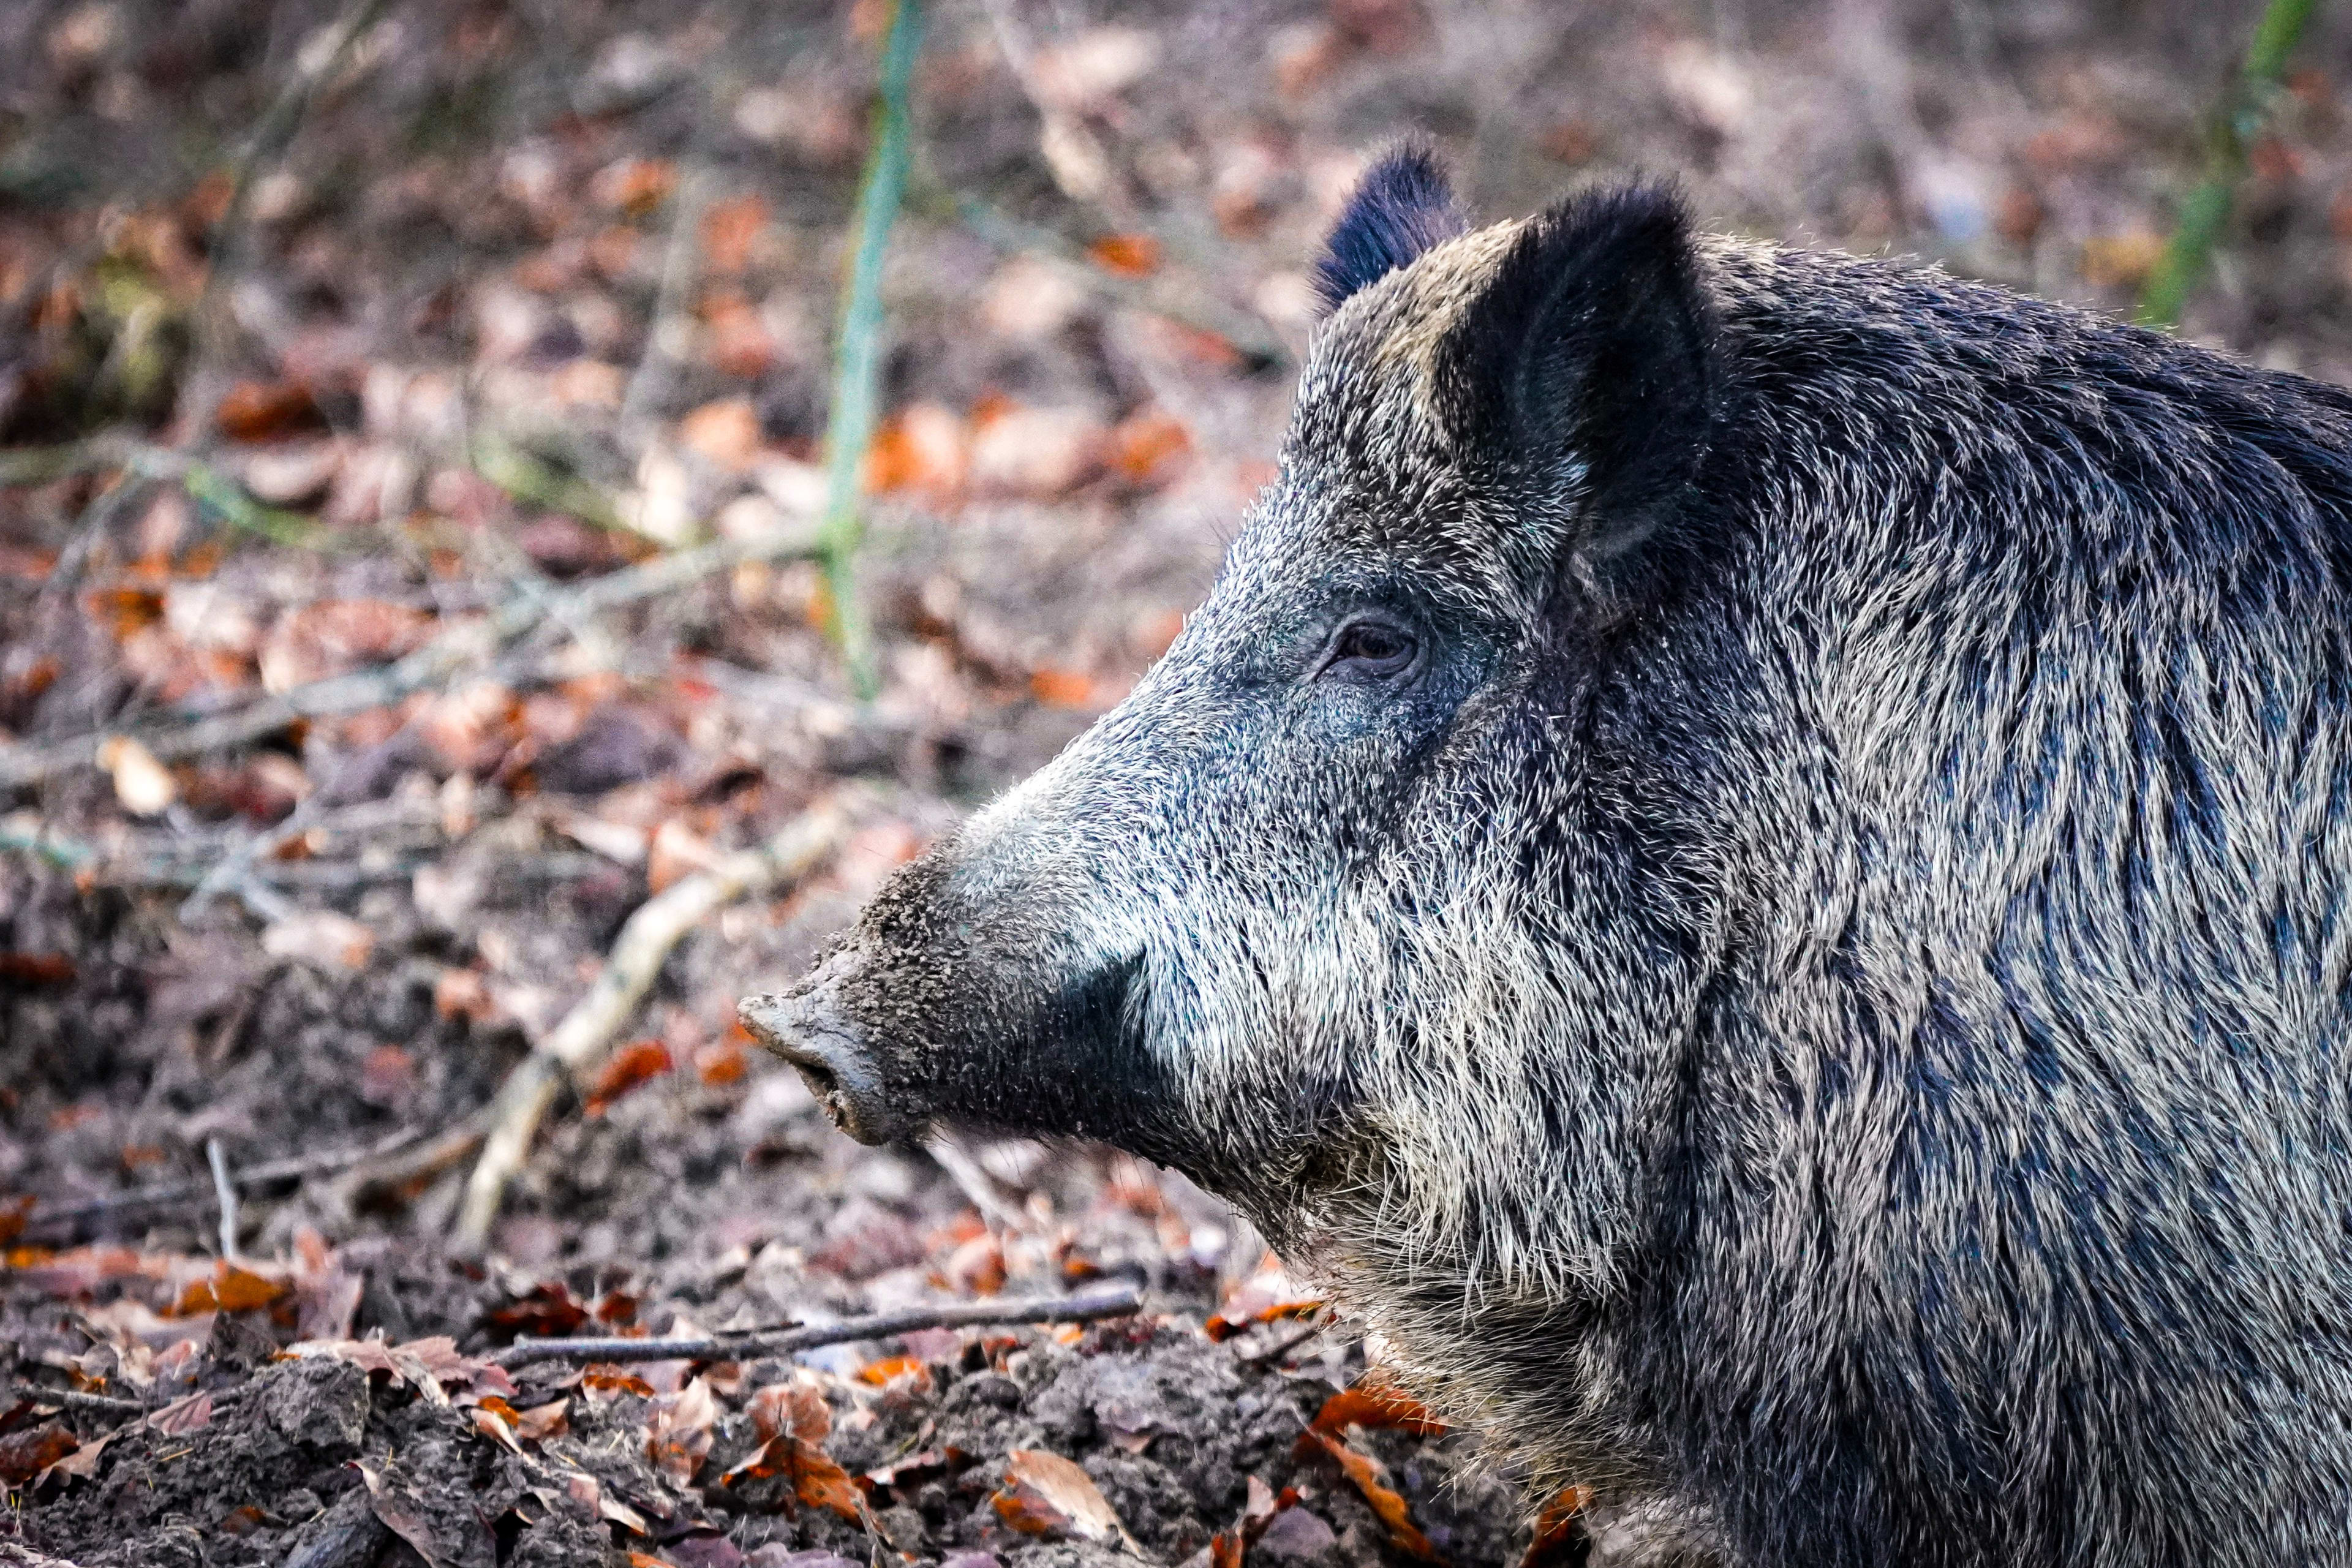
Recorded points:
(831, 1060)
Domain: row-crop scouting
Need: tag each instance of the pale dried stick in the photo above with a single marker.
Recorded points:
(576, 1043)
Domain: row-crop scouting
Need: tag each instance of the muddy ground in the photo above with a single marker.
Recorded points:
(498, 300)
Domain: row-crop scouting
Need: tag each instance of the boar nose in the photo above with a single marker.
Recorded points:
(831, 1055)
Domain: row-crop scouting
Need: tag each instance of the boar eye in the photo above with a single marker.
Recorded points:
(1371, 649)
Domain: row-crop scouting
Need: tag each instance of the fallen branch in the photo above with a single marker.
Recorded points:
(585, 1033)
(224, 1191)
(435, 662)
(1109, 1301)
(73, 1399)
(857, 354)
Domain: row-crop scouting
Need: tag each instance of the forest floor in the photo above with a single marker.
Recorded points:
(359, 380)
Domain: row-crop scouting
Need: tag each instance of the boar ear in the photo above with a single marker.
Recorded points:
(1404, 206)
(1588, 359)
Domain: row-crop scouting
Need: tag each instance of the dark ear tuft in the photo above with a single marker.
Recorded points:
(1403, 206)
(1593, 346)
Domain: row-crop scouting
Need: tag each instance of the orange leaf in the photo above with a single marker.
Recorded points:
(261, 411)
(1555, 1528)
(1146, 449)
(1224, 1550)
(1372, 1480)
(13, 1212)
(630, 1066)
(1377, 1406)
(1127, 255)
(1062, 688)
(720, 1064)
(609, 1377)
(880, 1373)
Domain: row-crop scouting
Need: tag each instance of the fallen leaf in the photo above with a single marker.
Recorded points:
(541, 1422)
(609, 1377)
(31, 969)
(546, 1311)
(1046, 1494)
(189, 1412)
(230, 1289)
(262, 411)
(632, 1065)
(890, 1369)
(794, 1408)
(1148, 448)
(496, 1427)
(13, 1214)
(142, 784)
(924, 446)
(1370, 1480)
(330, 636)
(2121, 260)
(24, 1455)
(1555, 1535)
(1127, 255)
(1376, 1405)
(678, 1436)
(1062, 688)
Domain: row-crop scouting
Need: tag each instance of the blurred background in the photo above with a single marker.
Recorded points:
(413, 433)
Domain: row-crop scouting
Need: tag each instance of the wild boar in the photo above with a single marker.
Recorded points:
(1748, 858)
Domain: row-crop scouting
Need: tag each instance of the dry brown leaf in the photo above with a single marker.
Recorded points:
(230, 1289)
(1127, 255)
(541, 1422)
(1046, 1494)
(729, 231)
(263, 411)
(1555, 1533)
(1149, 447)
(924, 446)
(25, 1454)
(1376, 1405)
(678, 1436)
(794, 1408)
(1041, 453)
(634, 1064)
(1370, 1479)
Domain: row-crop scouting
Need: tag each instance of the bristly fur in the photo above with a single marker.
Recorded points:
(1816, 1003)
(1403, 206)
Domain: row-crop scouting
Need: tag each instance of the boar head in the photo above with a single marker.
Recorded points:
(1357, 910)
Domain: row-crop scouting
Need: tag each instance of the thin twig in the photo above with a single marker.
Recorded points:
(2251, 100)
(72, 1216)
(857, 354)
(74, 1399)
(224, 1191)
(453, 650)
(581, 1039)
(1110, 1301)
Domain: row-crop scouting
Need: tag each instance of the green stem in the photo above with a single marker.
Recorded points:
(858, 355)
(2205, 211)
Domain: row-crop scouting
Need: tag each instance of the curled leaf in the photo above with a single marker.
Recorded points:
(1370, 1479)
(1046, 1494)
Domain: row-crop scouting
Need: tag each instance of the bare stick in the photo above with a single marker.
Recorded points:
(438, 660)
(1107, 1301)
(225, 1189)
(581, 1038)
(857, 354)
(72, 1399)
(665, 331)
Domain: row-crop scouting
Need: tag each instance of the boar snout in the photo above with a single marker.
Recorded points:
(807, 1026)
